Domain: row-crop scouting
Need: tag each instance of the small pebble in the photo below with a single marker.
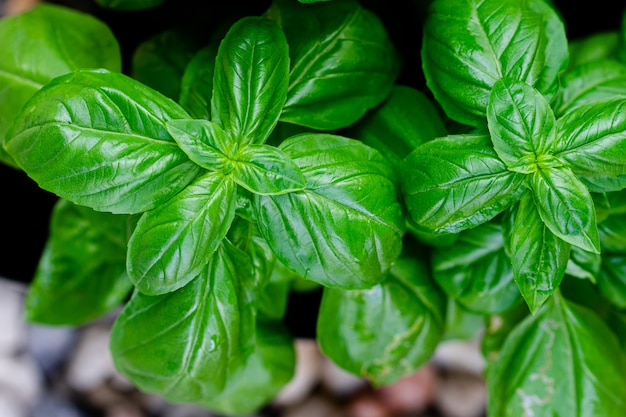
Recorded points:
(339, 382)
(461, 395)
(307, 374)
(411, 394)
(91, 364)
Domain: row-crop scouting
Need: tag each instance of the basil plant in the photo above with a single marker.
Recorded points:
(201, 181)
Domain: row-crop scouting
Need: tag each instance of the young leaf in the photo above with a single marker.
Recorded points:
(183, 345)
(387, 331)
(266, 170)
(204, 142)
(250, 81)
(592, 140)
(520, 121)
(476, 271)
(469, 45)
(345, 228)
(457, 182)
(196, 86)
(159, 62)
(173, 243)
(42, 43)
(259, 379)
(590, 82)
(566, 207)
(342, 62)
(98, 139)
(82, 272)
(553, 364)
(539, 257)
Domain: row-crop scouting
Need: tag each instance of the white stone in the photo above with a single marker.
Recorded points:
(9, 407)
(338, 381)
(12, 327)
(20, 380)
(91, 364)
(306, 376)
(460, 356)
(461, 395)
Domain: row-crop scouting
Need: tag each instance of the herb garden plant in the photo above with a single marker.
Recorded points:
(204, 184)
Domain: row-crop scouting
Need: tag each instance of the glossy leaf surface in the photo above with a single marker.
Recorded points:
(457, 182)
(175, 241)
(250, 80)
(386, 331)
(539, 257)
(566, 207)
(476, 270)
(520, 121)
(82, 272)
(98, 139)
(345, 228)
(183, 345)
(468, 45)
(204, 142)
(342, 62)
(196, 85)
(260, 378)
(592, 140)
(552, 364)
(42, 43)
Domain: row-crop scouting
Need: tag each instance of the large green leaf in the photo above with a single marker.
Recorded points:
(592, 140)
(82, 271)
(250, 80)
(563, 361)
(183, 345)
(98, 139)
(596, 46)
(521, 123)
(566, 207)
(612, 278)
(539, 258)
(590, 82)
(457, 182)
(468, 45)
(42, 43)
(342, 62)
(173, 243)
(345, 229)
(259, 379)
(160, 61)
(387, 331)
(612, 233)
(476, 270)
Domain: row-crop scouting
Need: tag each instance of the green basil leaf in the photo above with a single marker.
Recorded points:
(469, 45)
(552, 364)
(520, 121)
(387, 331)
(129, 4)
(405, 120)
(160, 61)
(174, 242)
(612, 279)
(612, 233)
(592, 141)
(457, 182)
(204, 142)
(566, 207)
(251, 78)
(588, 83)
(476, 271)
(342, 62)
(539, 258)
(196, 85)
(594, 47)
(82, 271)
(497, 329)
(98, 139)
(266, 170)
(259, 379)
(183, 345)
(584, 264)
(41, 44)
(345, 229)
